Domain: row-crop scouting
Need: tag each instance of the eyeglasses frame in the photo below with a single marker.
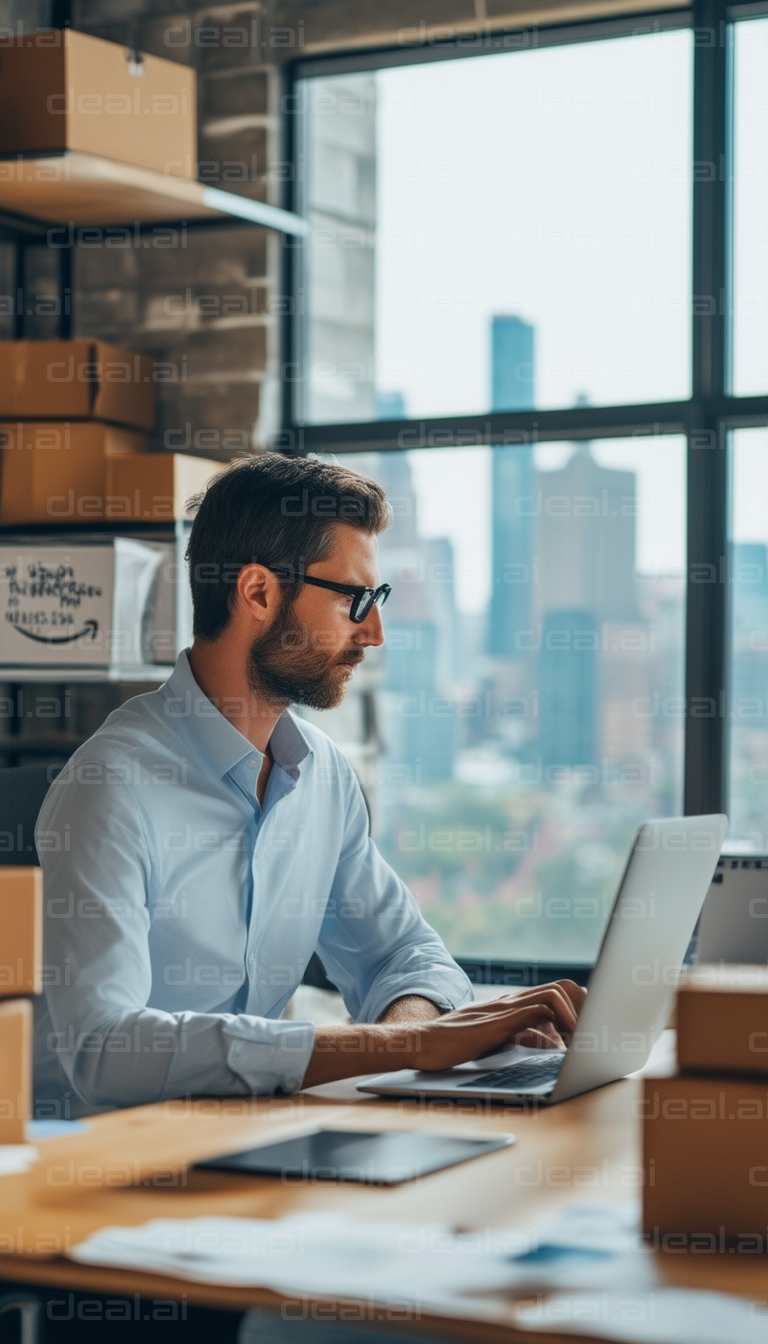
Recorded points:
(378, 595)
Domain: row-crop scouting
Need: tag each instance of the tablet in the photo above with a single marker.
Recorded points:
(349, 1155)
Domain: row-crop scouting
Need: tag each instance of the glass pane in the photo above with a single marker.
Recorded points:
(529, 707)
(509, 231)
(748, 797)
(750, 202)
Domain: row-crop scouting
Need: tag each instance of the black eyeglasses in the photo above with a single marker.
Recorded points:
(363, 599)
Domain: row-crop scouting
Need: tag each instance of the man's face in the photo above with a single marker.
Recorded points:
(311, 649)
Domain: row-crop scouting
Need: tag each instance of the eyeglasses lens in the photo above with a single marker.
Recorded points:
(361, 606)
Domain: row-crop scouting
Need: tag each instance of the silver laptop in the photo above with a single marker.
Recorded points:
(631, 989)
(734, 922)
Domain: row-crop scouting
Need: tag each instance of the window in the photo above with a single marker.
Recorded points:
(750, 207)
(470, 252)
(749, 642)
(531, 307)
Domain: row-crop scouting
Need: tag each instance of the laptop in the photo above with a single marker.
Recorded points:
(734, 922)
(631, 989)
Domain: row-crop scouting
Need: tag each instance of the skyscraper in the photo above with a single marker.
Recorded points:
(420, 620)
(585, 538)
(568, 688)
(585, 550)
(512, 389)
(749, 634)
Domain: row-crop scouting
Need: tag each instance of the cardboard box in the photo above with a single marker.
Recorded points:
(55, 471)
(722, 1020)
(15, 1069)
(63, 90)
(21, 931)
(705, 1160)
(156, 485)
(76, 380)
(99, 605)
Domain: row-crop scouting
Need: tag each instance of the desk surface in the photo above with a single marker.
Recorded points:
(588, 1148)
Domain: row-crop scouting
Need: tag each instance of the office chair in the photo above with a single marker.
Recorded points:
(29, 1310)
(22, 790)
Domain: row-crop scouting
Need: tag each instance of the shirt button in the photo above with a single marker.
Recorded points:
(291, 1084)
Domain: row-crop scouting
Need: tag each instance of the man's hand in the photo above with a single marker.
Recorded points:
(544, 1017)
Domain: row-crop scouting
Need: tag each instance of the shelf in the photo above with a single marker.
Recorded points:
(78, 190)
(100, 530)
(154, 672)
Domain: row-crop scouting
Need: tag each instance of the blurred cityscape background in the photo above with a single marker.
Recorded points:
(514, 749)
(527, 712)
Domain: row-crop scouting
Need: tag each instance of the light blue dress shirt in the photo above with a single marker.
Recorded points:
(180, 914)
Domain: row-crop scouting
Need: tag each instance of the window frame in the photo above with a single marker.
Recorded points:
(706, 418)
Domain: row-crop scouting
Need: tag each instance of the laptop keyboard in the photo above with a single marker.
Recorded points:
(535, 1072)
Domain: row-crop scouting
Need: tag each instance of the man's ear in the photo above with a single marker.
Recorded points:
(259, 592)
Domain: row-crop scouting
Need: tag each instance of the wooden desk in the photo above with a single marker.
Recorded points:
(586, 1149)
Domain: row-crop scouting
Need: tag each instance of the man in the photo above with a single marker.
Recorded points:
(205, 842)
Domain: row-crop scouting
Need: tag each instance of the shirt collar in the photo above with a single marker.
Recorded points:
(184, 700)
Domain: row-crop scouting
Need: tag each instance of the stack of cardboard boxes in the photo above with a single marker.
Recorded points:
(74, 421)
(67, 409)
(705, 1129)
(21, 975)
(75, 415)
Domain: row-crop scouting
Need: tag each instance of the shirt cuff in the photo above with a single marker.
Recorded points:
(270, 1057)
(382, 995)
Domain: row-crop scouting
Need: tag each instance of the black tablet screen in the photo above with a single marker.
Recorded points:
(346, 1155)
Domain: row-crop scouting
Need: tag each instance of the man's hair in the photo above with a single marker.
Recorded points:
(271, 510)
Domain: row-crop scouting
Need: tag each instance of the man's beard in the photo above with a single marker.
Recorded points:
(283, 669)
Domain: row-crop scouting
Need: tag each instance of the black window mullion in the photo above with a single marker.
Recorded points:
(707, 588)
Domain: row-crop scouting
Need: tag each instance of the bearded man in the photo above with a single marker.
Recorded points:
(205, 842)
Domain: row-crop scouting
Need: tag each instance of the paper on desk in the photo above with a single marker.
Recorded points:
(588, 1270)
(587, 1246)
(328, 1255)
(666, 1316)
(16, 1157)
(54, 1129)
(593, 1274)
(332, 1255)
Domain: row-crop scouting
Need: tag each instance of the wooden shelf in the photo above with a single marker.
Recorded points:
(80, 190)
(135, 672)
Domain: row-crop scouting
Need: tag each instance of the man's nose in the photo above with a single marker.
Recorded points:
(370, 632)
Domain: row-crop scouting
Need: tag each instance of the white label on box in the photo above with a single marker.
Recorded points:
(171, 624)
(76, 605)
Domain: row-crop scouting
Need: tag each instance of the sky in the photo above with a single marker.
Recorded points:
(551, 184)
(749, 485)
(751, 208)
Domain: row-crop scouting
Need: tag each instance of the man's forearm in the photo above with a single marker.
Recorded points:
(370, 1048)
(411, 1008)
(345, 1052)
